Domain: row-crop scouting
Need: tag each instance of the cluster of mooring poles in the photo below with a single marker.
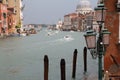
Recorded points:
(63, 65)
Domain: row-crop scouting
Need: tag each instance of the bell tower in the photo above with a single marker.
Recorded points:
(112, 23)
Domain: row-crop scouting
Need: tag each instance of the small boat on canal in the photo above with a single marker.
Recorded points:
(67, 37)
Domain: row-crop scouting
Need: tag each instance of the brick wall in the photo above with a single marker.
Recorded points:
(112, 24)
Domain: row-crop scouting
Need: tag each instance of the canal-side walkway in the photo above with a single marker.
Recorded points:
(107, 76)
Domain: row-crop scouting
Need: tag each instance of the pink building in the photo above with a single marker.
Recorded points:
(11, 20)
(3, 19)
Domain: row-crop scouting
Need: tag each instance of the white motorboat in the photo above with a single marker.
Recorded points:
(22, 34)
(67, 37)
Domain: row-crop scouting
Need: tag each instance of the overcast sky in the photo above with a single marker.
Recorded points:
(49, 11)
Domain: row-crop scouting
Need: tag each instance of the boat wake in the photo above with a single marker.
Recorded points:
(62, 40)
(68, 38)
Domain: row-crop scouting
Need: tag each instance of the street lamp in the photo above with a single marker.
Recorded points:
(106, 36)
(90, 38)
(98, 46)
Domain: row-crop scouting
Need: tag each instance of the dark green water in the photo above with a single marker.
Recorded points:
(21, 58)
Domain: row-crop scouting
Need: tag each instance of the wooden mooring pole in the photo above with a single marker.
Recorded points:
(46, 67)
(74, 63)
(85, 59)
(63, 72)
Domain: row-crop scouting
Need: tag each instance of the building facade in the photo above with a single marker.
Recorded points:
(18, 10)
(83, 7)
(3, 20)
(69, 21)
(81, 19)
(11, 21)
(59, 25)
(112, 23)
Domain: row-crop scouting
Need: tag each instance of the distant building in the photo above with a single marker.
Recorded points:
(83, 7)
(70, 20)
(59, 25)
(82, 19)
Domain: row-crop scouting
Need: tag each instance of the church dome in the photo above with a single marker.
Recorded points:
(84, 7)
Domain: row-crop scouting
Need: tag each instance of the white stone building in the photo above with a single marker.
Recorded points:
(84, 7)
(59, 24)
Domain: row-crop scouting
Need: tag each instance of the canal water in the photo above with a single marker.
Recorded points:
(21, 58)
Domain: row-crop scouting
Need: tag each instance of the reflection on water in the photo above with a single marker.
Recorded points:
(21, 58)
